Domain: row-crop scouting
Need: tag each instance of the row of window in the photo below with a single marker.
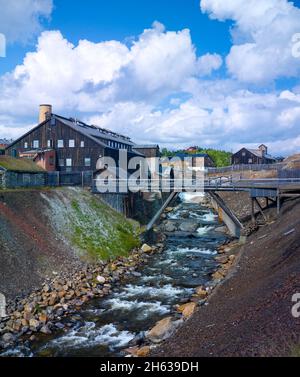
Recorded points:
(60, 144)
(114, 144)
(71, 144)
(69, 162)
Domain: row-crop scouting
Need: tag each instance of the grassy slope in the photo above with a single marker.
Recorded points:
(89, 224)
(18, 164)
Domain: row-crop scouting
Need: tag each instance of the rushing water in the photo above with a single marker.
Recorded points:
(106, 326)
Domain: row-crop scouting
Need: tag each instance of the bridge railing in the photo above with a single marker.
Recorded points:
(245, 167)
(212, 183)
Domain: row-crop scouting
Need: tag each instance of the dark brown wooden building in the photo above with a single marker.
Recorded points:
(246, 156)
(150, 150)
(77, 145)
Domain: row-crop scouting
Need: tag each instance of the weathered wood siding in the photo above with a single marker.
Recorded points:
(56, 132)
(243, 156)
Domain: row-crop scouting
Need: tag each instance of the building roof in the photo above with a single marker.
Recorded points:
(146, 146)
(95, 132)
(259, 153)
(183, 155)
(91, 131)
(19, 165)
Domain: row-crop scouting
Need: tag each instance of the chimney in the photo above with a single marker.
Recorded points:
(45, 113)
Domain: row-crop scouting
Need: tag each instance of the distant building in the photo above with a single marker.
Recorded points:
(150, 150)
(4, 144)
(17, 172)
(192, 149)
(246, 156)
(67, 144)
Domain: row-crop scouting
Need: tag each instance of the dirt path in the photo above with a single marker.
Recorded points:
(250, 313)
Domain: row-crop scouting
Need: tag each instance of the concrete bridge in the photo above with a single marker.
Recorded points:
(273, 190)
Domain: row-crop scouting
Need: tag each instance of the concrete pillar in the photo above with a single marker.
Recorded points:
(2, 306)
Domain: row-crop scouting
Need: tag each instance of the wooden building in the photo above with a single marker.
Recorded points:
(149, 151)
(75, 146)
(246, 156)
(16, 172)
(3, 144)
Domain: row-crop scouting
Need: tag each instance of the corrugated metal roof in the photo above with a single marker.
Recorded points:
(95, 132)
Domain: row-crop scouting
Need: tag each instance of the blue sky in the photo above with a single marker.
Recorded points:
(217, 73)
(100, 20)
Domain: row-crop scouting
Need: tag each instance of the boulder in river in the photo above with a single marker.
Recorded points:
(188, 226)
(169, 227)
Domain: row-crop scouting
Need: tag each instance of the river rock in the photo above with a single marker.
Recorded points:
(169, 226)
(161, 330)
(8, 338)
(221, 229)
(187, 309)
(146, 248)
(201, 292)
(34, 324)
(222, 259)
(45, 330)
(188, 226)
(217, 275)
(101, 279)
(143, 352)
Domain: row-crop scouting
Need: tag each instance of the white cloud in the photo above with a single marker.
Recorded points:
(155, 90)
(20, 20)
(262, 36)
(209, 63)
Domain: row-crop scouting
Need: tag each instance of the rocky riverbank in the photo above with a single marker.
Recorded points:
(54, 306)
(165, 328)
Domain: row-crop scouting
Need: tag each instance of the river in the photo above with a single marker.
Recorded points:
(104, 327)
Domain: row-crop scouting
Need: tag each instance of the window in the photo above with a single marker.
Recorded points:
(244, 154)
(69, 162)
(49, 143)
(71, 143)
(61, 162)
(250, 161)
(60, 143)
(82, 144)
(36, 144)
(25, 145)
(87, 161)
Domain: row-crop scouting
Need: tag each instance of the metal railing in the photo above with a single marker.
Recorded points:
(245, 167)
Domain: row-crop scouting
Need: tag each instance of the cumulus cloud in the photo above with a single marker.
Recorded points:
(20, 20)
(157, 89)
(262, 34)
(93, 76)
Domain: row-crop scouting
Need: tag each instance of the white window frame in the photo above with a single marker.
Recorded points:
(25, 145)
(69, 162)
(60, 143)
(71, 143)
(82, 144)
(35, 144)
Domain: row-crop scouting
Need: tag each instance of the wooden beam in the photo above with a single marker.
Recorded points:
(253, 211)
(260, 209)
